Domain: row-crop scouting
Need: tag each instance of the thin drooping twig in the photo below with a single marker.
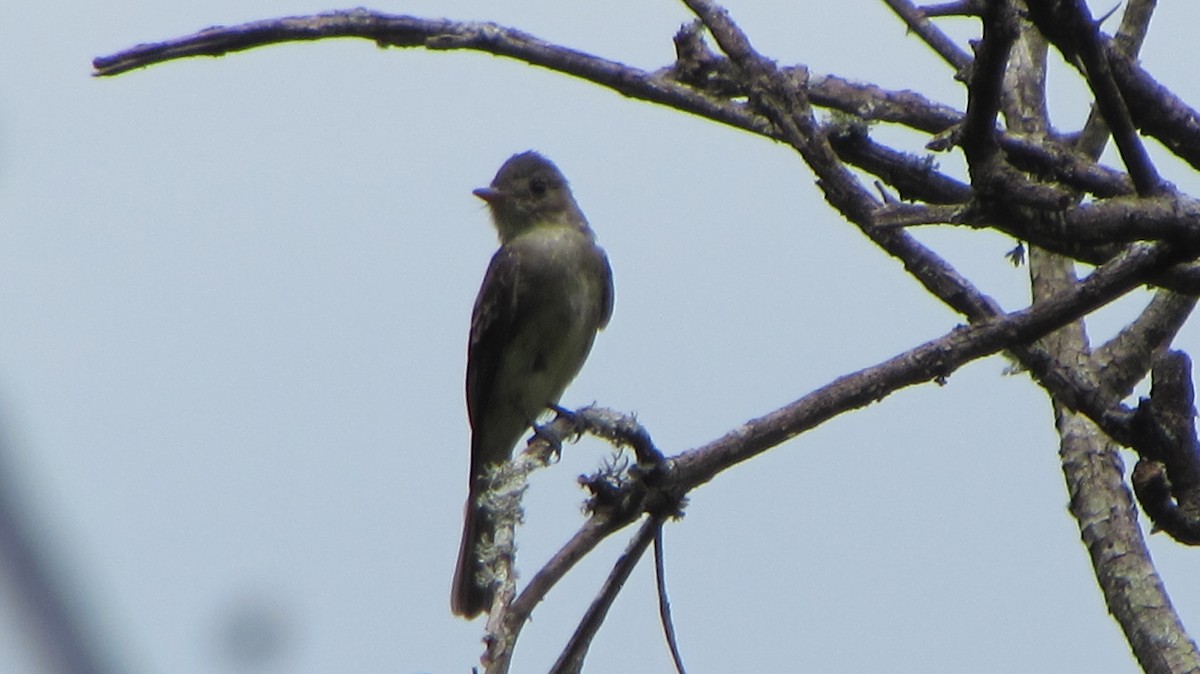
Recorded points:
(570, 661)
(664, 602)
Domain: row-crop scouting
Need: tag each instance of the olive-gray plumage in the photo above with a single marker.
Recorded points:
(547, 291)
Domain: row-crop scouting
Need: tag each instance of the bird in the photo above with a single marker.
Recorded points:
(547, 291)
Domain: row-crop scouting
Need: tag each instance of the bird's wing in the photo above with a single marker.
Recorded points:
(606, 297)
(493, 323)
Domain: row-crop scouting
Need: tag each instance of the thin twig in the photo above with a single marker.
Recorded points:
(570, 661)
(917, 22)
(502, 643)
(1135, 23)
(664, 601)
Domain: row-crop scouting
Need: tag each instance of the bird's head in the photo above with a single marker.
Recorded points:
(529, 191)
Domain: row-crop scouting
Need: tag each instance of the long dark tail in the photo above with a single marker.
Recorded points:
(468, 598)
(492, 440)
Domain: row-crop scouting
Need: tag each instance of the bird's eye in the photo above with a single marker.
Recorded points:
(538, 187)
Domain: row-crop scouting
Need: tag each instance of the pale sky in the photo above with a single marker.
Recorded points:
(235, 296)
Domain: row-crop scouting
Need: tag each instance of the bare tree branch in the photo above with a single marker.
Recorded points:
(388, 30)
(1153, 108)
(915, 178)
(932, 361)
(1167, 418)
(960, 8)
(502, 641)
(772, 94)
(871, 102)
(1126, 358)
(979, 136)
(937, 40)
(1058, 160)
(1135, 23)
(1069, 24)
(1092, 230)
(570, 661)
(1091, 465)
(1108, 525)
(508, 616)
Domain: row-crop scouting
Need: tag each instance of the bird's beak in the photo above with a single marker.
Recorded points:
(489, 194)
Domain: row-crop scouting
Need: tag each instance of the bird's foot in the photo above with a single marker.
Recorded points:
(565, 413)
(551, 439)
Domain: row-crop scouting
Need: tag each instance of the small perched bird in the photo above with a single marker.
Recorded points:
(547, 291)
